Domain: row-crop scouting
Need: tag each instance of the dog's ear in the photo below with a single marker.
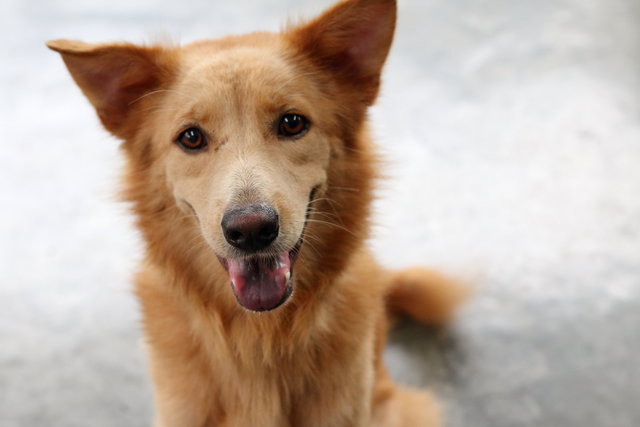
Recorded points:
(350, 40)
(114, 76)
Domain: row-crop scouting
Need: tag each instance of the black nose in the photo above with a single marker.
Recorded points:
(251, 227)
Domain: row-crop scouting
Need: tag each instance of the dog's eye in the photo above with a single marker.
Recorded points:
(192, 140)
(292, 125)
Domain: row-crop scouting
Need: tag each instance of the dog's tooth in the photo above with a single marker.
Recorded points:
(287, 276)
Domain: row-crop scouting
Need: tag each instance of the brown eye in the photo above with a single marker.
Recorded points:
(292, 125)
(192, 140)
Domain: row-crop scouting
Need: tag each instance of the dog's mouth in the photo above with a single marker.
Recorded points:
(262, 282)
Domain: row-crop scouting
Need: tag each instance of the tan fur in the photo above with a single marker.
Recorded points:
(315, 361)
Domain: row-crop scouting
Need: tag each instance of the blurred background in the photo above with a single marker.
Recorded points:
(512, 134)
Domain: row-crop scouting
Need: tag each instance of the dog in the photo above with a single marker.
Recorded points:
(251, 172)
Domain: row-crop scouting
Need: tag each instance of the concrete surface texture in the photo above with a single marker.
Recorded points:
(512, 133)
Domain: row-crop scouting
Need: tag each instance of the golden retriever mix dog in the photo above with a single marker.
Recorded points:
(251, 172)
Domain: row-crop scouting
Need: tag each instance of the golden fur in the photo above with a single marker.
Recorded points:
(316, 360)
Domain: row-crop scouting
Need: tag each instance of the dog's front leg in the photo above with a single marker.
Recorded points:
(179, 402)
(342, 395)
(180, 375)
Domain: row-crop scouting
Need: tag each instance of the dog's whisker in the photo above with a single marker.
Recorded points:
(315, 211)
(335, 214)
(355, 150)
(328, 200)
(332, 224)
(356, 190)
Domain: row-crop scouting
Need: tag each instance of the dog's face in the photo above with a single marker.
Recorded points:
(245, 149)
(243, 130)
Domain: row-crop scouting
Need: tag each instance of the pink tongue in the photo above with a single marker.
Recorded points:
(260, 283)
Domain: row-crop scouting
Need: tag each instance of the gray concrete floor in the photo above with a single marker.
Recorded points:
(512, 129)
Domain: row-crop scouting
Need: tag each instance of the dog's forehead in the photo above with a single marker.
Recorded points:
(262, 77)
(237, 66)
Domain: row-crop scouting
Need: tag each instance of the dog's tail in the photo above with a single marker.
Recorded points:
(424, 295)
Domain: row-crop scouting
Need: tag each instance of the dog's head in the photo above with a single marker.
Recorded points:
(247, 137)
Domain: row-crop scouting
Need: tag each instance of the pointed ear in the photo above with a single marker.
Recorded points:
(350, 40)
(114, 76)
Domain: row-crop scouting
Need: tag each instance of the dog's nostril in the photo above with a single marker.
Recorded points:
(235, 235)
(251, 227)
(269, 231)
